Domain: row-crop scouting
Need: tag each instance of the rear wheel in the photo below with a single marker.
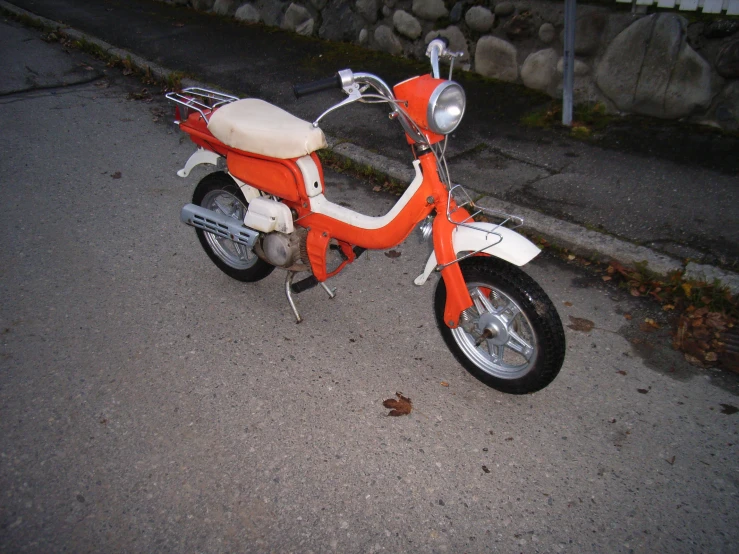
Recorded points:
(512, 338)
(218, 192)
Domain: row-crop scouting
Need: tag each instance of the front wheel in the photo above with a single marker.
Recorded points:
(218, 192)
(512, 338)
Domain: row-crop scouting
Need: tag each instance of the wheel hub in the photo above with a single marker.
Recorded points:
(493, 328)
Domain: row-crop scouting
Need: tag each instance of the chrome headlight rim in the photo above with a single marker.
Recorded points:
(433, 105)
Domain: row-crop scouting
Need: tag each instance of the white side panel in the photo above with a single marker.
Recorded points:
(311, 176)
(320, 205)
(514, 248)
(268, 215)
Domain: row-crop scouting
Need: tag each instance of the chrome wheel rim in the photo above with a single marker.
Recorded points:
(235, 255)
(495, 334)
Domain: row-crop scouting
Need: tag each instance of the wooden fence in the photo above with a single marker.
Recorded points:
(731, 7)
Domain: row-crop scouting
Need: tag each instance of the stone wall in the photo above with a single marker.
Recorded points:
(657, 64)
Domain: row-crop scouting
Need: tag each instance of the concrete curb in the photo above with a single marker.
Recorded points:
(577, 239)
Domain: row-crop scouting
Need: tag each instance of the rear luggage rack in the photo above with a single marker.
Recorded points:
(201, 100)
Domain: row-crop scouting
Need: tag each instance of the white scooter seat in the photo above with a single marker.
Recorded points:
(256, 126)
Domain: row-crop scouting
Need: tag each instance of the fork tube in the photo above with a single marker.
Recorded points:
(457, 297)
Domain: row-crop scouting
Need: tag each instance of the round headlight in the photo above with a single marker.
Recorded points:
(446, 107)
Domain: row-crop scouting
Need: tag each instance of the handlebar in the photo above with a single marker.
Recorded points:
(317, 86)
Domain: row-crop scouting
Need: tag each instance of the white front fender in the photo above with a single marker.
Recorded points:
(488, 239)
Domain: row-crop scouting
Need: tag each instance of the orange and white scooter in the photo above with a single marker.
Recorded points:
(268, 210)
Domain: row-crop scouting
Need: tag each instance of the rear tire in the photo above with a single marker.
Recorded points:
(512, 338)
(220, 193)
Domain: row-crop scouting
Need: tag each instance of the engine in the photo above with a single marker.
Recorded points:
(284, 250)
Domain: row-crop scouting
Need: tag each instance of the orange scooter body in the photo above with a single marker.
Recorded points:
(282, 178)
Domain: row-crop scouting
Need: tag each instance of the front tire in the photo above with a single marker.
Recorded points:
(220, 193)
(512, 338)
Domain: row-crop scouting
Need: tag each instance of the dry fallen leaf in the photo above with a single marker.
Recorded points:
(607, 277)
(399, 407)
(444, 384)
(378, 188)
(627, 316)
(580, 324)
(568, 304)
(642, 391)
(393, 254)
(116, 175)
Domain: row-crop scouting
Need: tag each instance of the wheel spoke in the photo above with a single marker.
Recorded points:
(484, 302)
(496, 351)
(241, 251)
(516, 343)
(508, 313)
(225, 208)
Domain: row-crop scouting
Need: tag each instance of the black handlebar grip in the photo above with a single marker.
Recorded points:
(317, 86)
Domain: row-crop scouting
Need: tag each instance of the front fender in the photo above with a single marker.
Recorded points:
(487, 238)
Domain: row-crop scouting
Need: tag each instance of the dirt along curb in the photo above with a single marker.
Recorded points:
(577, 239)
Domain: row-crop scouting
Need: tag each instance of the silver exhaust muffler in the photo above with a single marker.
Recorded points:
(218, 224)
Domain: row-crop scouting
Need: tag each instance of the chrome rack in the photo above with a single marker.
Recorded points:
(477, 214)
(200, 100)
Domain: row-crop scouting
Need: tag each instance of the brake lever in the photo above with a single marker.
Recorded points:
(354, 93)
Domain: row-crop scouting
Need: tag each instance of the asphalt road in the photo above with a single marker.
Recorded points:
(148, 403)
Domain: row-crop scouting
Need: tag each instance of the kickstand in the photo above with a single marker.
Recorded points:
(289, 292)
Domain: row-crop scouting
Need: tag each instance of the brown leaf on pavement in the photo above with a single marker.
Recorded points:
(399, 407)
(393, 254)
(116, 175)
(581, 324)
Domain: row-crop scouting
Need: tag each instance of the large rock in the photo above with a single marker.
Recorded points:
(721, 28)
(272, 12)
(339, 22)
(406, 24)
(455, 15)
(727, 107)
(581, 68)
(540, 69)
(430, 10)
(479, 19)
(727, 60)
(520, 26)
(456, 38)
(504, 8)
(298, 19)
(650, 69)
(368, 9)
(247, 13)
(223, 7)
(386, 40)
(547, 33)
(588, 31)
(496, 58)
(202, 5)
